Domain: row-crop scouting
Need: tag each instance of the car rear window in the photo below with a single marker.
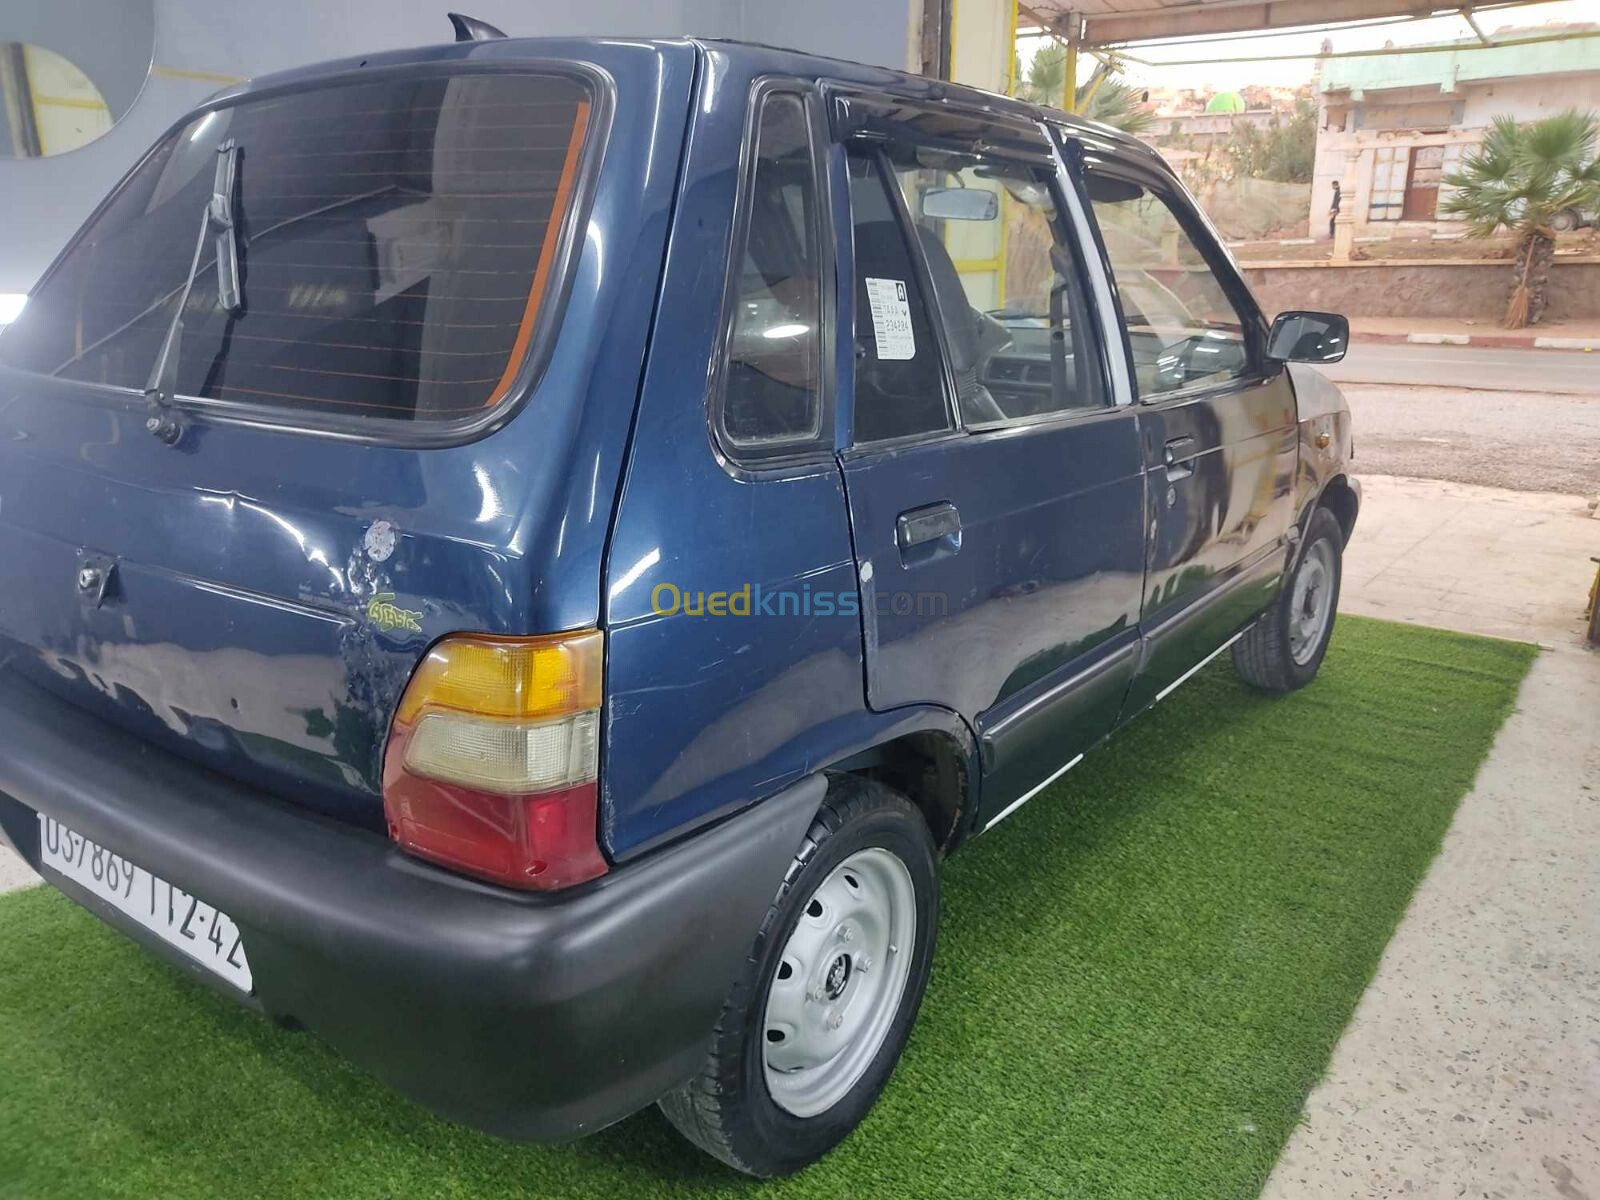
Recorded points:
(397, 244)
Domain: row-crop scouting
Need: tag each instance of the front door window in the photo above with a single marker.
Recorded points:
(1184, 330)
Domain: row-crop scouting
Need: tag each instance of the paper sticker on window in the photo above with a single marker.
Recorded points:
(891, 318)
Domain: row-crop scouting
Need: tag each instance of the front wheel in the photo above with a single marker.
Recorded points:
(1283, 650)
(817, 1021)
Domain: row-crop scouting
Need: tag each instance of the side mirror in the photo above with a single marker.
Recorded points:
(1313, 337)
(961, 204)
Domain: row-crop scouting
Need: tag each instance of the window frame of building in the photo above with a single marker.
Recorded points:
(1386, 198)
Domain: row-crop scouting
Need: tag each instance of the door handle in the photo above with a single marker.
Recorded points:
(932, 531)
(1179, 457)
(927, 524)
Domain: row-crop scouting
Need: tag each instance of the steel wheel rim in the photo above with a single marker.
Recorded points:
(1311, 602)
(839, 982)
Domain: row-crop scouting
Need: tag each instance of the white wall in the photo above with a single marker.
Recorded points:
(201, 47)
(1529, 99)
(982, 41)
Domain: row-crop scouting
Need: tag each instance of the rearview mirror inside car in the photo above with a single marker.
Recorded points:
(960, 204)
(1311, 337)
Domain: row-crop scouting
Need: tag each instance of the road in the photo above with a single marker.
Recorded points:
(1525, 441)
(1528, 420)
(1568, 371)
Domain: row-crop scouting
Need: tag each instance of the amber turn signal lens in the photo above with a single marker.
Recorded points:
(511, 678)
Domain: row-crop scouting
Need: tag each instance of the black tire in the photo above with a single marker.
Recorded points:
(1264, 656)
(726, 1108)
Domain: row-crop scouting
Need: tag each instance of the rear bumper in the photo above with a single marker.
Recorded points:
(527, 1016)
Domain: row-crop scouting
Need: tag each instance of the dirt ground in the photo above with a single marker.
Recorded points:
(1524, 441)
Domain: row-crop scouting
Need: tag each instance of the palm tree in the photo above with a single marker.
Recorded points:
(1102, 97)
(1047, 74)
(1520, 180)
(1113, 101)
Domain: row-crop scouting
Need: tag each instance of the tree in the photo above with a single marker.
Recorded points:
(1283, 152)
(1519, 180)
(1103, 97)
(1114, 102)
(1047, 75)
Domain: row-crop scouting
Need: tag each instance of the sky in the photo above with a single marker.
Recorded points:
(1228, 76)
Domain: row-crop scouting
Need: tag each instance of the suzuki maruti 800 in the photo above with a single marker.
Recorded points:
(522, 557)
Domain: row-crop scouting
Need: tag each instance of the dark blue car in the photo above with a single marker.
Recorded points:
(521, 557)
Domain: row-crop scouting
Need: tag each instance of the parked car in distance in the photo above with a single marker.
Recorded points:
(1569, 219)
(522, 557)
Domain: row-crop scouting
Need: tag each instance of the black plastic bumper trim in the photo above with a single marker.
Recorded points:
(535, 1017)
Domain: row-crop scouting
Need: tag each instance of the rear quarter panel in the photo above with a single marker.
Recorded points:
(706, 713)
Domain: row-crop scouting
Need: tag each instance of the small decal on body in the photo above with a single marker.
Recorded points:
(388, 616)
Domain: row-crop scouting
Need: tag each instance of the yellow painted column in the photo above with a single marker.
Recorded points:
(1069, 82)
(983, 41)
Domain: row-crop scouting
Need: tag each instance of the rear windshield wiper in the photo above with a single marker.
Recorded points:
(164, 421)
(260, 235)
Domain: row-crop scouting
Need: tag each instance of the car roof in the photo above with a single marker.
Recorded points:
(754, 56)
(856, 72)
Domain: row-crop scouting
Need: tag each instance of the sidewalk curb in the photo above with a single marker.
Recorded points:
(1491, 341)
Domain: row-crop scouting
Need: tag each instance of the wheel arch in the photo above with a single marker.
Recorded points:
(1342, 498)
(1340, 495)
(933, 764)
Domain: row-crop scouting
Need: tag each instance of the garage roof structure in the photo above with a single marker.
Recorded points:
(1119, 22)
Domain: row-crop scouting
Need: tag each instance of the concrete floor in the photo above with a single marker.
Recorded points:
(1478, 559)
(14, 873)
(1472, 1066)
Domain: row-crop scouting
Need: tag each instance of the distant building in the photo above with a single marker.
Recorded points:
(1403, 121)
(1202, 129)
(1191, 121)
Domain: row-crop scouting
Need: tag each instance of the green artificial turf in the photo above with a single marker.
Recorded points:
(1140, 976)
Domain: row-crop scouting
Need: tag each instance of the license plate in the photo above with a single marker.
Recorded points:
(186, 922)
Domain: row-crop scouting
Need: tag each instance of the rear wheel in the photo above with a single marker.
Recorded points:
(1284, 649)
(814, 1026)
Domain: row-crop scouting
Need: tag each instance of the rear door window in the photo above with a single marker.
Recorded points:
(398, 244)
(900, 379)
(1003, 269)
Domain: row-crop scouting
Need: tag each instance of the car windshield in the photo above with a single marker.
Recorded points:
(396, 243)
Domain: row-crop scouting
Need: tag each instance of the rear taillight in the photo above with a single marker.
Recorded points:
(492, 763)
